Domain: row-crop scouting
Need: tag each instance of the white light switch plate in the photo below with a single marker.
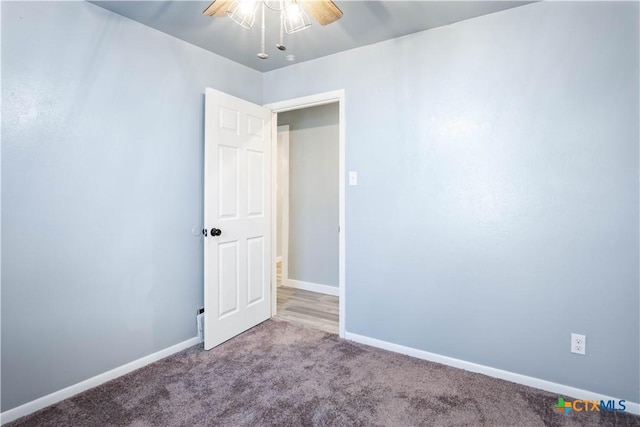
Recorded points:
(353, 178)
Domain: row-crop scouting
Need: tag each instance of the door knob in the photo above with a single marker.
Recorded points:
(216, 232)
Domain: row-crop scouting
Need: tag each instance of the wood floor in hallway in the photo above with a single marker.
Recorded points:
(310, 308)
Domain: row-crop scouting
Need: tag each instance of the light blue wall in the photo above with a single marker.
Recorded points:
(102, 142)
(497, 205)
(313, 193)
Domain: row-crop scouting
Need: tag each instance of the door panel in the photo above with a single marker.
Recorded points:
(237, 180)
(255, 200)
(229, 291)
(228, 167)
(256, 280)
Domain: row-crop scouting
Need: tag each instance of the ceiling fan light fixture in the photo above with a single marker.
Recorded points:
(243, 12)
(295, 17)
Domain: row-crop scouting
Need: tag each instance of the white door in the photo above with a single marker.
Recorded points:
(237, 245)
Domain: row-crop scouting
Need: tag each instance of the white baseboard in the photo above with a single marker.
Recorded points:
(313, 287)
(561, 389)
(65, 393)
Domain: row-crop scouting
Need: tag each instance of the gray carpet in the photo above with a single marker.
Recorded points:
(282, 374)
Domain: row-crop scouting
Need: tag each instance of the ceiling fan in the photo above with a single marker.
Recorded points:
(325, 11)
(293, 14)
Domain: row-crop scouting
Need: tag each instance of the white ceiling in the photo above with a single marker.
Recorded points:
(363, 23)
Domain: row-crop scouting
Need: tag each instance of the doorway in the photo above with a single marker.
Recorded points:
(307, 216)
(311, 258)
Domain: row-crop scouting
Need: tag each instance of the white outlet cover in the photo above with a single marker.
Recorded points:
(578, 344)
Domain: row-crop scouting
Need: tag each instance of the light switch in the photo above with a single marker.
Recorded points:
(353, 178)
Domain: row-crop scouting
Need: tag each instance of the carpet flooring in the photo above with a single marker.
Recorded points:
(283, 374)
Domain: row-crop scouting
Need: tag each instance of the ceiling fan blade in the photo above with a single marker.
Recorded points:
(217, 8)
(325, 11)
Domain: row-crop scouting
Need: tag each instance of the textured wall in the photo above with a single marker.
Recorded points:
(102, 133)
(313, 193)
(497, 204)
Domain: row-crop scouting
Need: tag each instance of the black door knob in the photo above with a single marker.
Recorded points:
(216, 232)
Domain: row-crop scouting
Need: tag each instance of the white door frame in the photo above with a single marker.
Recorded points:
(284, 183)
(297, 104)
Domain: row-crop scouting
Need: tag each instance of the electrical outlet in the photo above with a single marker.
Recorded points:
(578, 344)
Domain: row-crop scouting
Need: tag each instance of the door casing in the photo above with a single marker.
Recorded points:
(297, 104)
(283, 182)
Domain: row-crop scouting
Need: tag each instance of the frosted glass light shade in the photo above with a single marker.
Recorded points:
(243, 12)
(295, 18)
